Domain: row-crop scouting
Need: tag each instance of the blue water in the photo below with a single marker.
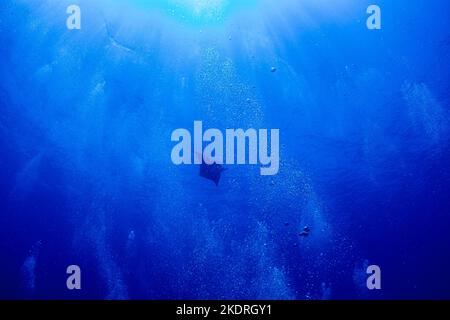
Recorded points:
(86, 175)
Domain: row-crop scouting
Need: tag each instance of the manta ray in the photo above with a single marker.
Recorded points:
(211, 170)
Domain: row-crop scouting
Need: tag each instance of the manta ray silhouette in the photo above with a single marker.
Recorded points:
(211, 172)
(209, 169)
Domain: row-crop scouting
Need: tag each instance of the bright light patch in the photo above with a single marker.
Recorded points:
(204, 7)
(206, 13)
(195, 12)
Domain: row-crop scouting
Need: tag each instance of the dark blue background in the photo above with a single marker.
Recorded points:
(86, 175)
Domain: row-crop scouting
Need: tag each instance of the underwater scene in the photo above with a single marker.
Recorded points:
(224, 149)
